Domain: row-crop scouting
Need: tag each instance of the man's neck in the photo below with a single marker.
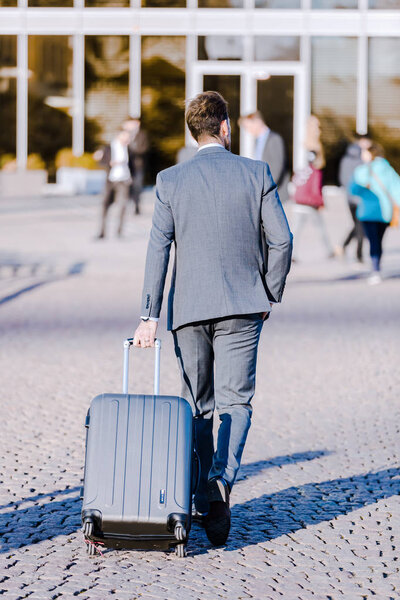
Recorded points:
(204, 141)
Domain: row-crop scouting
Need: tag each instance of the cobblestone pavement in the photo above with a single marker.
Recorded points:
(316, 511)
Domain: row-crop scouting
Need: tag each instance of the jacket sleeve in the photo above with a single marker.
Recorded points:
(278, 238)
(161, 236)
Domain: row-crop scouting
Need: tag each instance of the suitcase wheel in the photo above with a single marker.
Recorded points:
(88, 528)
(180, 533)
(91, 549)
(180, 550)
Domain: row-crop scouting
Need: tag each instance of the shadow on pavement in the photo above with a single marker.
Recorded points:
(343, 279)
(21, 526)
(273, 515)
(74, 269)
(26, 526)
(255, 521)
(251, 469)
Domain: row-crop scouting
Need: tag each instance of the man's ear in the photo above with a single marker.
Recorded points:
(224, 129)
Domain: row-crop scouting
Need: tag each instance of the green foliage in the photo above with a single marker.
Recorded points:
(7, 160)
(65, 158)
(34, 162)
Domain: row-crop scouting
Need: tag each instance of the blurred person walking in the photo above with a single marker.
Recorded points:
(270, 148)
(118, 160)
(139, 147)
(377, 185)
(307, 185)
(350, 161)
(312, 142)
(308, 206)
(215, 208)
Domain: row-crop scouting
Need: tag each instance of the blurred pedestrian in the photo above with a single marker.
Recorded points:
(313, 142)
(307, 184)
(118, 160)
(349, 162)
(270, 148)
(378, 186)
(139, 147)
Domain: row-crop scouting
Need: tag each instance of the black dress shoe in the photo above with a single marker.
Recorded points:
(218, 520)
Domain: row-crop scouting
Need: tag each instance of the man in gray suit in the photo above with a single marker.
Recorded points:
(269, 147)
(223, 213)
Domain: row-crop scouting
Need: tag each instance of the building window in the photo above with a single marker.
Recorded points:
(329, 4)
(50, 99)
(278, 4)
(8, 103)
(334, 94)
(107, 3)
(163, 99)
(51, 3)
(385, 4)
(220, 3)
(276, 47)
(220, 47)
(107, 87)
(384, 95)
(275, 101)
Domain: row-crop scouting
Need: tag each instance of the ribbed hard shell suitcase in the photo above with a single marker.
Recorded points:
(137, 490)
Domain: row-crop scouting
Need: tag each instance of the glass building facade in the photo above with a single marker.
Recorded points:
(72, 70)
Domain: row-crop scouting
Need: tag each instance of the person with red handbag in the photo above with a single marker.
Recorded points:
(307, 185)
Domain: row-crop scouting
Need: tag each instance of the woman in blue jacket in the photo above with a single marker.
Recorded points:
(378, 186)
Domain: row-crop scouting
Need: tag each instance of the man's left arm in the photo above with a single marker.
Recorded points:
(277, 237)
(158, 251)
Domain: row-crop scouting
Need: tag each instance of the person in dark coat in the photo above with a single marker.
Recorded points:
(270, 148)
(139, 147)
(352, 159)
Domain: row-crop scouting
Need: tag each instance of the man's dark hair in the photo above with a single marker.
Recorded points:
(205, 113)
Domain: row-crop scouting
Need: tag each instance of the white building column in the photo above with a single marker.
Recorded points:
(362, 72)
(248, 104)
(78, 113)
(193, 84)
(135, 75)
(22, 100)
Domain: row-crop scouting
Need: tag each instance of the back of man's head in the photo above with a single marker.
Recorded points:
(205, 113)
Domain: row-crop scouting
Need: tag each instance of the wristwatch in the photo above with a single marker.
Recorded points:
(144, 319)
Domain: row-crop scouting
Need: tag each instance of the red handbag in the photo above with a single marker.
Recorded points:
(308, 187)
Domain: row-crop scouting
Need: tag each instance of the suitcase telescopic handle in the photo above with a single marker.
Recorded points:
(127, 344)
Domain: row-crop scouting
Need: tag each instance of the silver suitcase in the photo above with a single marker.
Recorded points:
(137, 490)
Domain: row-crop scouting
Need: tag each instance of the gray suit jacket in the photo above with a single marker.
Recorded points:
(219, 209)
(274, 154)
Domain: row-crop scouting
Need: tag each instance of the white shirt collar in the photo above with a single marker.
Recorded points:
(211, 145)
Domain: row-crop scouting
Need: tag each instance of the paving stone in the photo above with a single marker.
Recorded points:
(315, 511)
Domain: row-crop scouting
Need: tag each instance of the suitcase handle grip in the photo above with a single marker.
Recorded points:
(125, 378)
